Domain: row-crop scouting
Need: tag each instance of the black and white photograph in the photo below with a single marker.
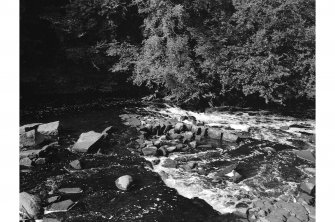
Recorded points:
(166, 111)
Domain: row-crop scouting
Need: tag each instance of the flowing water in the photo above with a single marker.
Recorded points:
(266, 172)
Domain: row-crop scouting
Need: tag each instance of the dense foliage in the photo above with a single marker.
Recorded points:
(198, 50)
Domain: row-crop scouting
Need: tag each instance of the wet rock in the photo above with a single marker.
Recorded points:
(48, 150)
(30, 206)
(26, 162)
(228, 136)
(305, 198)
(124, 182)
(306, 155)
(179, 127)
(29, 153)
(156, 161)
(61, 206)
(167, 128)
(310, 170)
(108, 131)
(201, 171)
(171, 149)
(205, 146)
(88, 142)
(75, 190)
(236, 177)
(162, 151)
(308, 187)
(189, 166)
(76, 164)
(149, 151)
(175, 136)
(269, 149)
(40, 161)
(214, 133)
(188, 135)
(284, 128)
(163, 137)
(227, 170)
(169, 163)
(193, 144)
(53, 199)
(49, 130)
(278, 215)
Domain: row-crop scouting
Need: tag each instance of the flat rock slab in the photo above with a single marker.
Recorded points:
(76, 165)
(29, 153)
(70, 190)
(60, 206)
(88, 142)
(49, 130)
(306, 155)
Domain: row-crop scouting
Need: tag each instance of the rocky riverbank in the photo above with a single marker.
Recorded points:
(152, 165)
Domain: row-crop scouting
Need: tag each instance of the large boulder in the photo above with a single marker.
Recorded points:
(124, 182)
(30, 206)
(49, 130)
(88, 142)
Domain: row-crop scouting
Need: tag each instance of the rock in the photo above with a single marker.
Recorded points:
(180, 146)
(26, 162)
(175, 136)
(157, 143)
(305, 198)
(310, 170)
(31, 138)
(179, 127)
(188, 135)
(29, 127)
(278, 214)
(48, 150)
(242, 127)
(108, 131)
(171, 148)
(162, 137)
(49, 130)
(30, 206)
(75, 190)
(236, 177)
(189, 166)
(53, 199)
(124, 182)
(307, 187)
(306, 155)
(167, 128)
(29, 153)
(40, 161)
(88, 142)
(76, 164)
(162, 151)
(149, 151)
(293, 219)
(193, 144)
(284, 128)
(214, 133)
(205, 146)
(156, 161)
(227, 170)
(61, 206)
(269, 149)
(228, 136)
(169, 163)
